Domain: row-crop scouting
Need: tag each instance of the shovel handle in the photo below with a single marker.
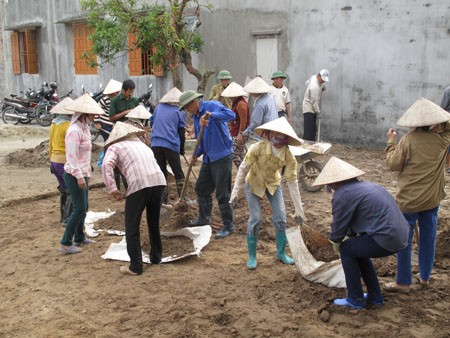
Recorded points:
(193, 171)
(197, 144)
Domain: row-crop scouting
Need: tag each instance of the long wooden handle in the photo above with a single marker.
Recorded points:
(197, 144)
(193, 171)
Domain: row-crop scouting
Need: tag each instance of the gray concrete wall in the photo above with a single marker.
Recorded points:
(2, 56)
(382, 56)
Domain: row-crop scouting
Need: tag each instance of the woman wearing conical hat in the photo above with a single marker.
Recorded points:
(77, 170)
(419, 159)
(260, 174)
(367, 223)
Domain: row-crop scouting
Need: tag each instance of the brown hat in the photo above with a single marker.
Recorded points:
(139, 112)
(281, 125)
(122, 131)
(85, 104)
(172, 96)
(337, 170)
(59, 108)
(423, 113)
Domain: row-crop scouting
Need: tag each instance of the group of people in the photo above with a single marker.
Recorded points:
(367, 221)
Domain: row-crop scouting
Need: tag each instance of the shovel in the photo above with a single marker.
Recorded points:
(193, 171)
(313, 237)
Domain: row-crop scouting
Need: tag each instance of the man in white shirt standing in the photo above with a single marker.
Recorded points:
(281, 94)
(311, 103)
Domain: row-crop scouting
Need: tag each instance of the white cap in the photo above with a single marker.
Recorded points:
(324, 74)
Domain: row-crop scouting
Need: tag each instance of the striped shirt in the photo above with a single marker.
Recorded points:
(106, 124)
(78, 150)
(136, 162)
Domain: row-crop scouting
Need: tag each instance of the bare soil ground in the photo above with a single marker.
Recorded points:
(47, 294)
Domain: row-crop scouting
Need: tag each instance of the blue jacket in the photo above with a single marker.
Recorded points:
(216, 142)
(165, 122)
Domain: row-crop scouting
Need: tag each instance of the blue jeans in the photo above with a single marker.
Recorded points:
(427, 246)
(355, 257)
(75, 225)
(254, 205)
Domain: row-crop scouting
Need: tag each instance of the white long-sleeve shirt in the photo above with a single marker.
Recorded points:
(313, 95)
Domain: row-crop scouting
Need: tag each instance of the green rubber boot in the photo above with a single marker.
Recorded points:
(251, 244)
(281, 241)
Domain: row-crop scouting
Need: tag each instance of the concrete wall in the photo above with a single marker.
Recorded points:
(2, 57)
(382, 56)
(55, 52)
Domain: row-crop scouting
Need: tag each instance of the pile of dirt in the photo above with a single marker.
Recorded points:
(12, 131)
(38, 156)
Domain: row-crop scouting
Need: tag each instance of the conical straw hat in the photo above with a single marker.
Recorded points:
(337, 170)
(172, 96)
(281, 125)
(122, 131)
(257, 86)
(113, 86)
(59, 108)
(139, 113)
(234, 90)
(85, 104)
(423, 113)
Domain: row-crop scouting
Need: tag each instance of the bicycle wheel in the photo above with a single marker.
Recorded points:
(10, 116)
(44, 117)
(308, 173)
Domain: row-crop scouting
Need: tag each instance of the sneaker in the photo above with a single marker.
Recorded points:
(126, 271)
(394, 287)
(86, 241)
(346, 303)
(69, 249)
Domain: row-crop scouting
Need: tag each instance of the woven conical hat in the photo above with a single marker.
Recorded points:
(337, 170)
(234, 90)
(257, 86)
(85, 104)
(423, 113)
(139, 113)
(281, 125)
(113, 86)
(59, 108)
(172, 96)
(122, 131)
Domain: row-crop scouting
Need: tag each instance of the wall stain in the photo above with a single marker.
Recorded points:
(346, 8)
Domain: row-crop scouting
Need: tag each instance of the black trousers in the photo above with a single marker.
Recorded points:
(149, 199)
(215, 176)
(164, 156)
(309, 126)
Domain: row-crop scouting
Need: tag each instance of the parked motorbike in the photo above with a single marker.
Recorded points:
(145, 99)
(95, 133)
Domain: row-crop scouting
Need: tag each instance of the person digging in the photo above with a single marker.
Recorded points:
(216, 146)
(260, 174)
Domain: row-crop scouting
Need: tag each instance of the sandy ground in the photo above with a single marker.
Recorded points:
(47, 294)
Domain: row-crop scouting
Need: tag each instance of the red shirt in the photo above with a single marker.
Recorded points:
(242, 120)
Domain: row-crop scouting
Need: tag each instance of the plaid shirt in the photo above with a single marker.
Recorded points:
(78, 150)
(136, 162)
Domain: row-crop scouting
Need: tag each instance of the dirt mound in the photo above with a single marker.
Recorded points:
(38, 156)
(9, 130)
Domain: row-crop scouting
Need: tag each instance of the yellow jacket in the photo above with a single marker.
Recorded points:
(57, 145)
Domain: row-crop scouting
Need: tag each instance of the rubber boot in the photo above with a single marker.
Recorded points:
(204, 212)
(227, 218)
(281, 241)
(251, 245)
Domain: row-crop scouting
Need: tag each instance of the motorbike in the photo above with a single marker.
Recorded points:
(145, 99)
(95, 133)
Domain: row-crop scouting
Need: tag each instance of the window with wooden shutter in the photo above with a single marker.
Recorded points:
(31, 63)
(139, 62)
(15, 52)
(81, 45)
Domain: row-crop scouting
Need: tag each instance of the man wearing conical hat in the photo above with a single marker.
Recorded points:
(241, 122)
(312, 110)
(168, 136)
(419, 159)
(102, 122)
(281, 94)
(367, 223)
(224, 77)
(260, 174)
(57, 150)
(265, 109)
(216, 148)
(146, 184)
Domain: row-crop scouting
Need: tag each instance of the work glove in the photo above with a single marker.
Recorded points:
(336, 247)
(239, 182)
(297, 200)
